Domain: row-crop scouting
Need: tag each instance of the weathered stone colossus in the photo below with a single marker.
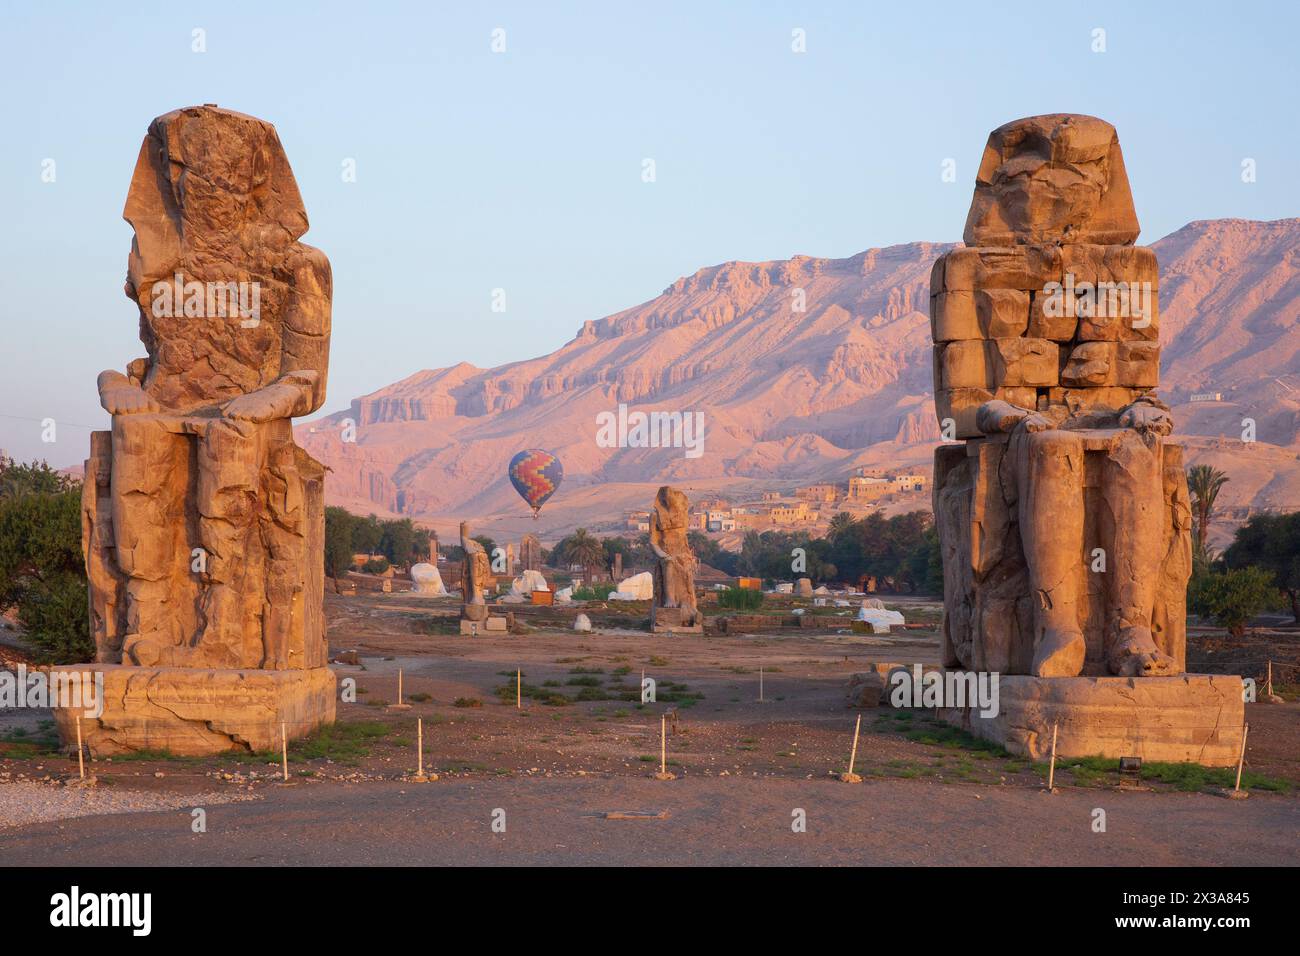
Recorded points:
(673, 608)
(1063, 516)
(203, 522)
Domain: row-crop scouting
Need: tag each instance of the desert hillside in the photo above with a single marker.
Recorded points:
(804, 370)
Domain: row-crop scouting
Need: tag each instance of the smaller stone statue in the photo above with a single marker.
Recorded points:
(673, 608)
(476, 576)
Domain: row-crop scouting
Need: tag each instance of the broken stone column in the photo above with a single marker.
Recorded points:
(530, 553)
(203, 521)
(1061, 504)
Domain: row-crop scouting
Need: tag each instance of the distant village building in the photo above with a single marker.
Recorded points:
(719, 521)
(909, 482)
(863, 488)
(825, 492)
(792, 514)
(873, 487)
(1207, 397)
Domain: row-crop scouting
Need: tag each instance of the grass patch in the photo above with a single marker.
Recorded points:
(942, 735)
(343, 742)
(467, 702)
(161, 754)
(551, 698)
(19, 745)
(1188, 777)
(596, 592)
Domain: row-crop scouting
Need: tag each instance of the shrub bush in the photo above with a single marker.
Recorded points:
(1231, 598)
(740, 599)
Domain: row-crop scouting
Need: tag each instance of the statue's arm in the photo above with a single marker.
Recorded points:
(999, 416)
(305, 342)
(657, 535)
(305, 352)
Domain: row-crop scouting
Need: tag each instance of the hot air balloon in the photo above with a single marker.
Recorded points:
(536, 474)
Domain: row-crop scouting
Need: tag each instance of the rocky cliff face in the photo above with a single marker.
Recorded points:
(804, 369)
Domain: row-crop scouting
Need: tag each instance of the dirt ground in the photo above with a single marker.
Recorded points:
(581, 716)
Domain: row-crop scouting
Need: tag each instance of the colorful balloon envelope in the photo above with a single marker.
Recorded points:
(536, 474)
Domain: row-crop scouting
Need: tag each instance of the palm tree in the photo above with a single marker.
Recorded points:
(840, 523)
(1204, 483)
(585, 549)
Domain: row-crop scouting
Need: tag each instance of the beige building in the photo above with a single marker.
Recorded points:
(792, 514)
(822, 492)
(863, 488)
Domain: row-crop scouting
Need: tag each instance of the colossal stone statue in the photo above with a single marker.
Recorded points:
(1061, 504)
(203, 521)
(674, 608)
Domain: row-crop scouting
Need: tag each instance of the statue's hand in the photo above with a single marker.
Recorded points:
(999, 416)
(1146, 419)
(264, 404)
(120, 396)
(1034, 422)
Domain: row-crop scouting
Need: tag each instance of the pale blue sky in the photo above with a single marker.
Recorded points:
(522, 170)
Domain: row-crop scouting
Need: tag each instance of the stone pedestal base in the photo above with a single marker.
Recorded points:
(194, 711)
(491, 622)
(677, 629)
(1192, 718)
(669, 620)
(474, 612)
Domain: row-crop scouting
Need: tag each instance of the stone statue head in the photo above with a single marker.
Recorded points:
(671, 506)
(215, 263)
(209, 180)
(1052, 179)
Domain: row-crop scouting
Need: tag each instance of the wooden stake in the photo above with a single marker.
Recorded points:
(663, 743)
(81, 760)
(419, 746)
(760, 686)
(1241, 757)
(399, 685)
(1268, 681)
(519, 688)
(284, 749)
(1051, 770)
(853, 754)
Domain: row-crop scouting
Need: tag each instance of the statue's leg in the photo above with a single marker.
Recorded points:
(1049, 476)
(281, 528)
(1133, 489)
(227, 505)
(147, 471)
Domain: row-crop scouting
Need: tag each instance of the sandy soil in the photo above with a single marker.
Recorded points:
(727, 748)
